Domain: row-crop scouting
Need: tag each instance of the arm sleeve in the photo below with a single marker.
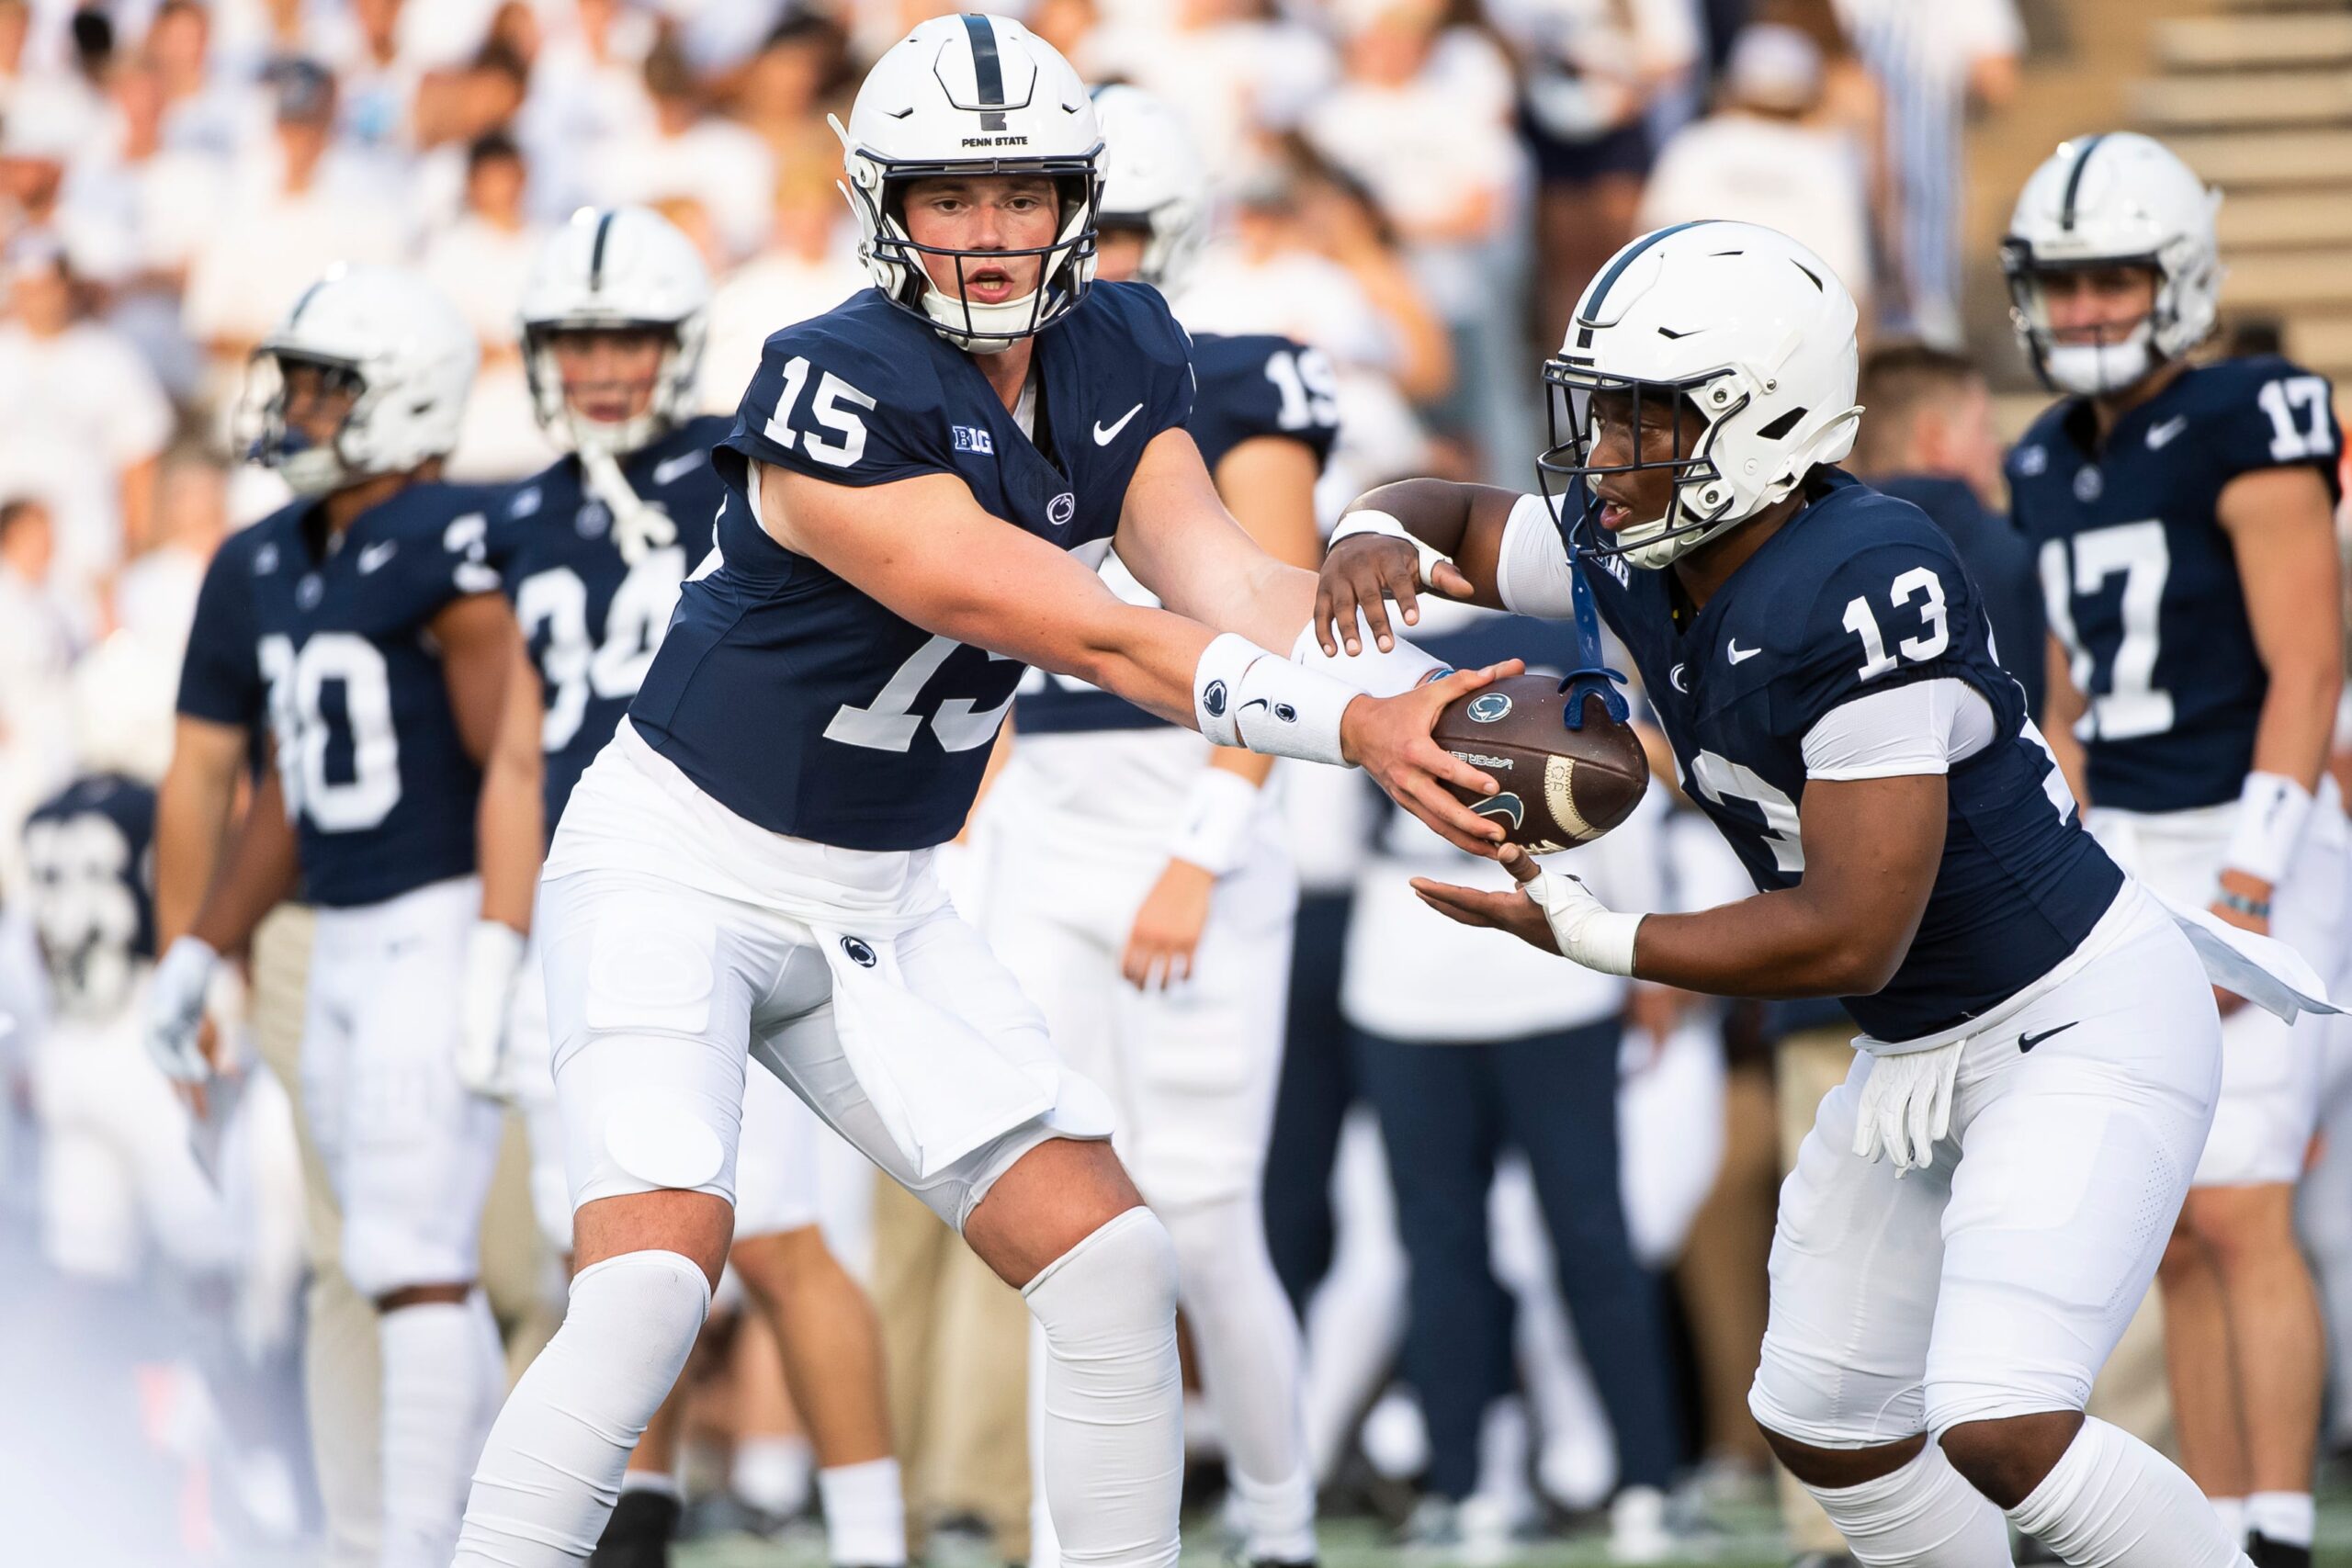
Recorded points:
(1923, 728)
(1532, 573)
(220, 675)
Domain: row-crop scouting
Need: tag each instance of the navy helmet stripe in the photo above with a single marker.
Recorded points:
(303, 304)
(2075, 180)
(1600, 290)
(596, 252)
(988, 70)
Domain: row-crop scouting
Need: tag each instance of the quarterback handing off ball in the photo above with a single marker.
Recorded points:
(1561, 788)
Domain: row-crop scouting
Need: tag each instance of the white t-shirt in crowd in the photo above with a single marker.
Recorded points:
(75, 411)
(483, 268)
(718, 163)
(1801, 180)
(1229, 82)
(271, 246)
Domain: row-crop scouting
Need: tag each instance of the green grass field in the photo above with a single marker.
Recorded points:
(1749, 1538)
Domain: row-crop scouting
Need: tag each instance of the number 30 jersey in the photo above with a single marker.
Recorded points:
(2140, 582)
(377, 778)
(1858, 593)
(591, 619)
(805, 706)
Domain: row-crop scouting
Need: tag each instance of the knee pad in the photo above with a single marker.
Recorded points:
(1118, 1282)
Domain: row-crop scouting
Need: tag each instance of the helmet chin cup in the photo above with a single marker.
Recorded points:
(2097, 370)
(981, 329)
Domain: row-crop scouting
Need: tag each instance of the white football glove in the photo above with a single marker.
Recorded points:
(493, 958)
(1588, 930)
(175, 1008)
(1906, 1106)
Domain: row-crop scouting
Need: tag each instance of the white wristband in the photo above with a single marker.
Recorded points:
(1216, 680)
(2272, 810)
(1219, 816)
(1388, 674)
(1371, 520)
(1286, 710)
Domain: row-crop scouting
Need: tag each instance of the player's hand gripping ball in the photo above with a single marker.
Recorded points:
(1561, 788)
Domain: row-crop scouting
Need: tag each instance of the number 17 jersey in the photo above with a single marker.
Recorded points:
(2141, 581)
(806, 706)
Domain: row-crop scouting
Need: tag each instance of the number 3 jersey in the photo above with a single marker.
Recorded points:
(590, 618)
(790, 696)
(1860, 593)
(2141, 581)
(377, 781)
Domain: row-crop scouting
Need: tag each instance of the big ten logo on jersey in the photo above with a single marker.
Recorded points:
(345, 788)
(1309, 387)
(553, 607)
(85, 907)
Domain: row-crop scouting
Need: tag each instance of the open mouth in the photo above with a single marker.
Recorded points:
(987, 285)
(1614, 514)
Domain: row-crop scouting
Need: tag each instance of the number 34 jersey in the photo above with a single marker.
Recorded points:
(591, 619)
(790, 696)
(1856, 593)
(376, 777)
(2141, 583)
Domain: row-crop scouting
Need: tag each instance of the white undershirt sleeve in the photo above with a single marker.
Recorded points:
(1531, 572)
(1921, 727)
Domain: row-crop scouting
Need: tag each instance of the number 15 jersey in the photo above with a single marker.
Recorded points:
(2140, 581)
(800, 702)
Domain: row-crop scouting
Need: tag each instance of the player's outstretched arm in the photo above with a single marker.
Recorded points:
(1396, 540)
(923, 548)
(1871, 847)
(259, 871)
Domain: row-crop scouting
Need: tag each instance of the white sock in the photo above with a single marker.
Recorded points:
(1245, 1344)
(1925, 1514)
(1112, 1429)
(772, 1473)
(2232, 1513)
(2112, 1499)
(865, 1513)
(2286, 1517)
(552, 1470)
(435, 1393)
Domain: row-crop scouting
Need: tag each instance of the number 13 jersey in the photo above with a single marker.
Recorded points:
(1860, 593)
(2140, 581)
(790, 696)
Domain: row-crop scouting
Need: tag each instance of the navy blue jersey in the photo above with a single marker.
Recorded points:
(90, 849)
(221, 680)
(1999, 559)
(591, 619)
(377, 778)
(1859, 592)
(1248, 387)
(802, 704)
(2141, 584)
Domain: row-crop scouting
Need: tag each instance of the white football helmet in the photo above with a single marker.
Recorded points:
(122, 707)
(967, 96)
(1154, 180)
(615, 268)
(403, 347)
(2118, 199)
(1750, 338)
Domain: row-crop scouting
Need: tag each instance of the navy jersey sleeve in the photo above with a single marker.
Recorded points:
(825, 403)
(1163, 350)
(1263, 386)
(220, 679)
(1898, 610)
(2269, 413)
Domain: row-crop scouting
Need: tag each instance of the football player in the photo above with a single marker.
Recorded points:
(2183, 517)
(1151, 921)
(595, 550)
(385, 645)
(1981, 1205)
(920, 486)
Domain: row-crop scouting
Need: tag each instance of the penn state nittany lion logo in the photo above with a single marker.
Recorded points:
(859, 953)
(1213, 699)
(1061, 509)
(1489, 707)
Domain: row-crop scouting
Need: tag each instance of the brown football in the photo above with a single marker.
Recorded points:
(1561, 788)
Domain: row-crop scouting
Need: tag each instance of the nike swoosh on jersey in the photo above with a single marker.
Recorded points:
(1737, 654)
(2028, 1042)
(2158, 434)
(375, 555)
(683, 463)
(1105, 437)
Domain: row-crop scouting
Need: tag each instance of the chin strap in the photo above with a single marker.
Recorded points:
(638, 529)
(1591, 678)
